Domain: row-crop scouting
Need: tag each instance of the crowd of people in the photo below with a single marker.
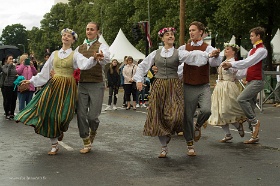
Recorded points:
(73, 81)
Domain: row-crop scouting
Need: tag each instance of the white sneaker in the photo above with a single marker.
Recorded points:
(108, 108)
(114, 107)
(143, 105)
(137, 106)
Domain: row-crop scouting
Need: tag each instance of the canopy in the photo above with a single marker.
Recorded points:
(243, 51)
(122, 47)
(102, 40)
(276, 45)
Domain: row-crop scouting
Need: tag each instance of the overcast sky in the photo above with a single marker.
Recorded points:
(29, 13)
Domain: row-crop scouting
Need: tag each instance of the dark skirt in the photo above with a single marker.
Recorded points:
(166, 108)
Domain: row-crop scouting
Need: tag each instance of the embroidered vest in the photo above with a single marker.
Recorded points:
(255, 72)
(194, 75)
(95, 74)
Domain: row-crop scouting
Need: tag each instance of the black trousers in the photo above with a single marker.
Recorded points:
(10, 100)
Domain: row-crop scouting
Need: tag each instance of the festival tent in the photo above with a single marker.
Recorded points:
(122, 47)
(102, 40)
(243, 51)
(276, 45)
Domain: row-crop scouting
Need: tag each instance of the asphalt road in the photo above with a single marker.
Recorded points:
(121, 155)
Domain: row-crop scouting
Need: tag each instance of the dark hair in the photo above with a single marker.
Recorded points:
(47, 54)
(7, 56)
(96, 24)
(258, 31)
(199, 25)
(139, 61)
(111, 67)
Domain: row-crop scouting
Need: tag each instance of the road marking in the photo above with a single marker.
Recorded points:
(234, 130)
(67, 147)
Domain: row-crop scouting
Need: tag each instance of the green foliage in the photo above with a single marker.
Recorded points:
(15, 34)
(223, 18)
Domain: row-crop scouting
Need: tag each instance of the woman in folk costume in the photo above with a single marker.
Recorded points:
(225, 109)
(52, 109)
(165, 113)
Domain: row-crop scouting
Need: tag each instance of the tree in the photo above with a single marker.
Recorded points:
(238, 17)
(15, 34)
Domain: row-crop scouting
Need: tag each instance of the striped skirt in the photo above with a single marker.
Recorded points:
(53, 107)
(166, 108)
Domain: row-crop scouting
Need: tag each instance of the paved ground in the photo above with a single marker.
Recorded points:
(123, 156)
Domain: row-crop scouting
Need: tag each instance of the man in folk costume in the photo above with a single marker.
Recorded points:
(254, 78)
(91, 87)
(196, 86)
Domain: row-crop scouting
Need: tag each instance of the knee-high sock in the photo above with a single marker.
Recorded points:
(54, 140)
(163, 140)
(226, 129)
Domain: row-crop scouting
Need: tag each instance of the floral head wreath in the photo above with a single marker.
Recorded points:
(68, 30)
(167, 29)
(232, 45)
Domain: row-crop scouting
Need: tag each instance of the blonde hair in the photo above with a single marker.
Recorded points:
(23, 57)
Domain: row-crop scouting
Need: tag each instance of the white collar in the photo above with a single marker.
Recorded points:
(65, 51)
(199, 43)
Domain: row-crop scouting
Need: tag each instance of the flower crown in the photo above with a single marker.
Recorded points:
(232, 45)
(167, 29)
(68, 30)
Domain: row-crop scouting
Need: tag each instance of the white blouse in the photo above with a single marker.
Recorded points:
(79, 61)
(195, 58)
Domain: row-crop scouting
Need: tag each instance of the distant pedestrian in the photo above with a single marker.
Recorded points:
(113, 76)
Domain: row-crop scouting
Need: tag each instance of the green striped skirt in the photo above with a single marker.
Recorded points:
(166, 108)
(52, 108)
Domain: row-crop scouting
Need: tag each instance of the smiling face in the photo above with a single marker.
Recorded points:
(67, 38)
(229, 52)
(92, 31)
(168, 38)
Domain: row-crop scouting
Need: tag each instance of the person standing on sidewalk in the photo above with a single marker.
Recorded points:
(113, 77)
(196, 86)
(91, 87)
(254, 78)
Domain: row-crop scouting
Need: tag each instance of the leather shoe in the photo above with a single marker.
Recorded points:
(197, 134)
(251, 141)
(191, 151)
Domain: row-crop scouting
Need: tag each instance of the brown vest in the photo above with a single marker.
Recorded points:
(194, 75)
(95, 74)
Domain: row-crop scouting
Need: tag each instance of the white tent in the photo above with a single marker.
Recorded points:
(276, 45)
(122, 47)
(243, 51)
(102, 40)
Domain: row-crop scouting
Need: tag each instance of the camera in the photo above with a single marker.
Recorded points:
(27, 61)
